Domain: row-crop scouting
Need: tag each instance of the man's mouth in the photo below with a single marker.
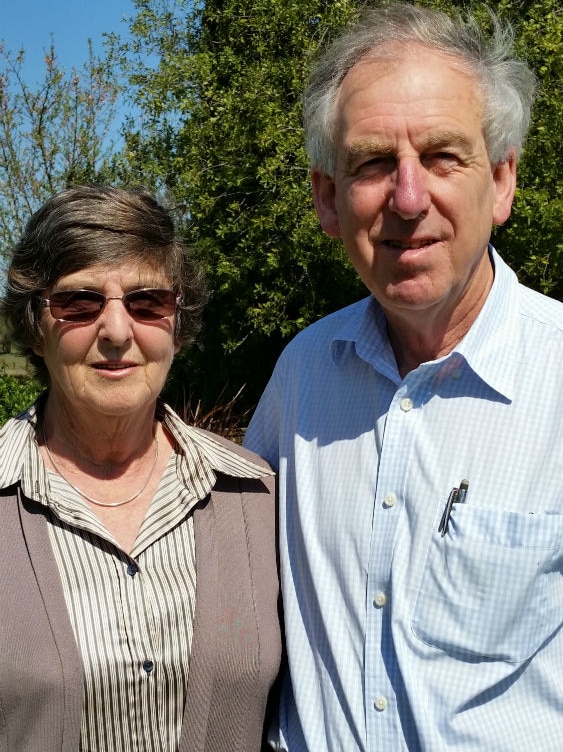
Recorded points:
(409, 245)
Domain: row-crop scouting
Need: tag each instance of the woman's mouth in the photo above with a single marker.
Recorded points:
(113, 366)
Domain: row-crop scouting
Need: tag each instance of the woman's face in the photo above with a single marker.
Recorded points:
(113, 366)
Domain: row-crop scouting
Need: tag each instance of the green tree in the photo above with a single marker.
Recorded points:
(52, 134)
(221, 133)
(533, 237)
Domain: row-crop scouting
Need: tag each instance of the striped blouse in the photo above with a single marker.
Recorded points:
(132, 615)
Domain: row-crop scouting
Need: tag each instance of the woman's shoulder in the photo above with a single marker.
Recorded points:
(222, 453)
(15, 441)
(233, 446)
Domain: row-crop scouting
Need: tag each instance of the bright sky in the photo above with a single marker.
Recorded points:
(30, 24)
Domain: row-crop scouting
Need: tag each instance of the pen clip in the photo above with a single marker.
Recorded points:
(452, 498)
(457, 495)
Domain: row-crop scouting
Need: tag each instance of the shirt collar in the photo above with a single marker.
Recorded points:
(20, 453)
(214, 453)
(201, 455)
(363, 333)
(488, 347)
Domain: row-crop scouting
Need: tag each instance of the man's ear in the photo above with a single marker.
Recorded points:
(504, 177)
(324, 199)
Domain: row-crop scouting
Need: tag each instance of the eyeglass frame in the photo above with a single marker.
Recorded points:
(47, 302)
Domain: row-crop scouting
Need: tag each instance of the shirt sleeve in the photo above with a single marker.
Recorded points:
(263, 432)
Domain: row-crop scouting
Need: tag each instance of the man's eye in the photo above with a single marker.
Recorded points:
(376, 164)
(443, 156)
(441, 160)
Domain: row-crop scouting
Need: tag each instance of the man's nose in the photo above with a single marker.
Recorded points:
(410, 196)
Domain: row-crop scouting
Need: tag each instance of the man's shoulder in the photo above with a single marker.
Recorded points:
(332, 326)
(541, 309)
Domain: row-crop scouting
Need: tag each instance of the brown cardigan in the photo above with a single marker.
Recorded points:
(236, 643)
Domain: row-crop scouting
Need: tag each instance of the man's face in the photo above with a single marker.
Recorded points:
(414, 196)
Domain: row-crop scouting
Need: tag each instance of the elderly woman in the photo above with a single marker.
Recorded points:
(138, 586)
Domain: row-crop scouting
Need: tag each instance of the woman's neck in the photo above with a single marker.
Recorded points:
(98, 441)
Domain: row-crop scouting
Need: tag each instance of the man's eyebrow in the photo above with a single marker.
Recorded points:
(377, 148)
(448, 139)
(363, 147)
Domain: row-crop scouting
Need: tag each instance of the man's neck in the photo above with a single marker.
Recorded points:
(423, 336)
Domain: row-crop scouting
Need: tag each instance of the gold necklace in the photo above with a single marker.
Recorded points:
(90, 498)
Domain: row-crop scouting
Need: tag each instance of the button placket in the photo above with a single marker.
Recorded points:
(393, 468)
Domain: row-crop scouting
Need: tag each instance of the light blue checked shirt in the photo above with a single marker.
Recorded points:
(399, 638)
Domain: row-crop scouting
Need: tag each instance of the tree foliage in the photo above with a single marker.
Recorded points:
(52, 134)
(223, 134)
(533, 237)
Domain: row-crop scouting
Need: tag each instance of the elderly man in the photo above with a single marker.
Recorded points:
(418, 433)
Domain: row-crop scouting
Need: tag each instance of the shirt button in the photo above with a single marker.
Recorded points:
(406, 404)
(148, 666)
(390, 500)
(380, 600)
(132, 569)
(380, 703)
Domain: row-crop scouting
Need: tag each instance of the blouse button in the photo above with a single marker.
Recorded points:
(132, 569)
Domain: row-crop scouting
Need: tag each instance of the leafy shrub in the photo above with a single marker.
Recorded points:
(15, 395)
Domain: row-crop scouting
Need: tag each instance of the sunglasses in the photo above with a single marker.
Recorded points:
(84, 306)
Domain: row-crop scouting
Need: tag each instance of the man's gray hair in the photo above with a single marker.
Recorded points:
(507, 83)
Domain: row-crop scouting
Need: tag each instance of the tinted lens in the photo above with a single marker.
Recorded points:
(76, 305)
(150, 305)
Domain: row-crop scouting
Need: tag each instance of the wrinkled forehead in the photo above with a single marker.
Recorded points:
(424, 89)
(397, 56)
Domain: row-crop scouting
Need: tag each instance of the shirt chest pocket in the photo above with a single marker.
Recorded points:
(492, 588)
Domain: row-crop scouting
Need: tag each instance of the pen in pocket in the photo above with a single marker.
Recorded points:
(457, 495)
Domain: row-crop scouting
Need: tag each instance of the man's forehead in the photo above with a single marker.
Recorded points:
(396, 56)
(380, 95)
